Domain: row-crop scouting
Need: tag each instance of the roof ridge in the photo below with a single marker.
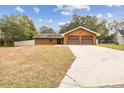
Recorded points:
(82, 28)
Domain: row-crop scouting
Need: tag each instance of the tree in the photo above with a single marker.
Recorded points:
(115, 26)
(45, 29)
(90, 22)
(1, 38)
(106, 38)
(16, 28)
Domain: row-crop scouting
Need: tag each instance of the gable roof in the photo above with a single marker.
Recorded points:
(47, 35)
(121, 32)
(81, 28)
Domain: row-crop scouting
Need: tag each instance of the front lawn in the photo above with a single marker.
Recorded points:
(34, 66)
(114, 46)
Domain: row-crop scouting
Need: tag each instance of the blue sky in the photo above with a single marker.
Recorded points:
(55, 15)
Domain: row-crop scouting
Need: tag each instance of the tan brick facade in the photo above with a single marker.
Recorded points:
(45, 41)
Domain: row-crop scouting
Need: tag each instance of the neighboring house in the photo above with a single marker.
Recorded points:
(120, 37)
(77, 36)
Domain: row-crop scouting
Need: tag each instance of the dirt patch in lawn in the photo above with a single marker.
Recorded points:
(34, 66)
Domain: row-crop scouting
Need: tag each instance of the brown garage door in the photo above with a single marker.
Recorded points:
(73, 40)
(87, 40)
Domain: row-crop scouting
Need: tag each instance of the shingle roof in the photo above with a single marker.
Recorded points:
(47, 35)
(121, 32)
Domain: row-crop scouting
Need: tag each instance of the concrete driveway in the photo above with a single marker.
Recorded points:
(94, 67)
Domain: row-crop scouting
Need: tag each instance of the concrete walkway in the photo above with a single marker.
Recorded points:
(94, 67)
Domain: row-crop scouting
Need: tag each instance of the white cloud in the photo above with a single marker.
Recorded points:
(81, 7)
(40, 20)
(109, 15)
(59, 7)
(19, 9)
(50, 20)
(62, 23)
(66, 13)
(110, 6)
(69, 9)
(99, 15)
(36, 10)
(117, 5)
(90, 14)
(30, 18)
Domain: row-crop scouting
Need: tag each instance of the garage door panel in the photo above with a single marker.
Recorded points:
(87, 40)
(73, 40)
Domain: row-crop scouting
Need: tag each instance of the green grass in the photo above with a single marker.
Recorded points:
(113, 46)
(34, 66)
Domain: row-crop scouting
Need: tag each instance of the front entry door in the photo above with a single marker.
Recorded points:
(58, 41)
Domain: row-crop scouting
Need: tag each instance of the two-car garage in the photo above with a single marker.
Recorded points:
(80, 36)
(75, 40)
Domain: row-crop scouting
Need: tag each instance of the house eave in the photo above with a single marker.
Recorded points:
(46, 37)
(81, 28)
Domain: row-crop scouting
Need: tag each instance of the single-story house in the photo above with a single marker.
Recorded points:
(77, 36)
(120, 37)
